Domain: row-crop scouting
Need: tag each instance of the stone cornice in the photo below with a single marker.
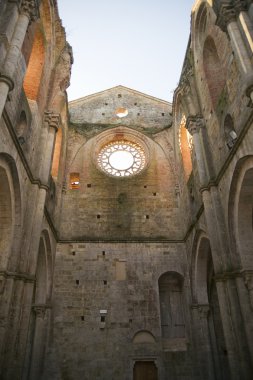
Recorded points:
(18, 276)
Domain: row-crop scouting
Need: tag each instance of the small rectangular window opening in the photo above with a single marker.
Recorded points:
(88, 184)
(105, 282)
(74, 181)
(77, 282)
(103, 253)
(102, 318)
(82, 317)
(147, 216)
(98, 216)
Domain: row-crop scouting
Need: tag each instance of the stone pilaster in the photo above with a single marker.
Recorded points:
(200, 314)
(39, 340)
(193, 125)
(52, 121)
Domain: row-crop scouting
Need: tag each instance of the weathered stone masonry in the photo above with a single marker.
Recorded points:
(148, 275)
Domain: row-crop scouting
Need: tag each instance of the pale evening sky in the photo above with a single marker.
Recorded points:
(135, 43)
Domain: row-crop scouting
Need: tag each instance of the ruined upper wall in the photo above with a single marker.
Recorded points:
(95, 113)
(143, 206)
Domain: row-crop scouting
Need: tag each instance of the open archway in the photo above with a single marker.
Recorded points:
(211, 342)
(240, 213)
(10, 212)
(171, 305)
(40, 315)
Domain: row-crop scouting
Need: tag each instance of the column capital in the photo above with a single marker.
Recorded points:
(203, 309)
(52, 119)
(30, 8)
(194, 123)
(40, 310)
(227, 14)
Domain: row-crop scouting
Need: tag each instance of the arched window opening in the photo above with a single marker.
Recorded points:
(171, 305)
(33, 75)
(229, 131)
(57, 153)
(6, 219)
(22, 127)
(214, 72)
(185, 143)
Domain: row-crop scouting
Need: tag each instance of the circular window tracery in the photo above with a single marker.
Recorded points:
(121, 158)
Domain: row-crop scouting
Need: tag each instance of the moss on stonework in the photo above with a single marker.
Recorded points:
(90, 130)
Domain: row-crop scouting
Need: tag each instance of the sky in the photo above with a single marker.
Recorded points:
(139, 44)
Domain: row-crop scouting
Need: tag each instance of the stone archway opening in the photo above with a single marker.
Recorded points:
(6, 217)
(210, 314)
(145, 370)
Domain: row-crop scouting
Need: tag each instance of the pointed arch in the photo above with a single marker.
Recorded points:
(240, 213)
(10, 212)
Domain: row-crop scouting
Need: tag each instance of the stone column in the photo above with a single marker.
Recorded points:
(246, 25)
(193, 125)
(186, 92)
(234, 332)
(204, 349)
(244, 285)
(28, 12)
(53, 122)
(39, 341)
(227, 21)
(248, 280)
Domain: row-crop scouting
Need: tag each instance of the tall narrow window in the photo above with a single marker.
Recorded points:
(74, 180)
(171, 306)
(57, 153)
(185, 143)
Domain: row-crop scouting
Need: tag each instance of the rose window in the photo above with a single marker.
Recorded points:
(121, 158)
